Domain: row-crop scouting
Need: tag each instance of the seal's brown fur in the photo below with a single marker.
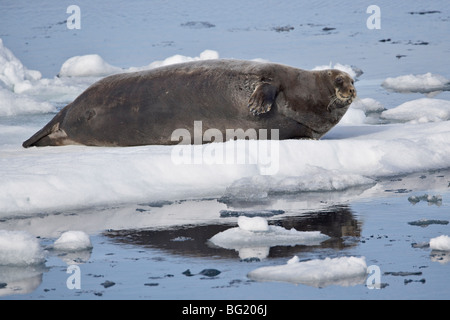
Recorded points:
(143, 108)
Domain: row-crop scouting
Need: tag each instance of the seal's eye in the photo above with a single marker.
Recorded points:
(339, 80)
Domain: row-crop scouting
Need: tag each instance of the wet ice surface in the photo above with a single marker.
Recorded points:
(139, 227)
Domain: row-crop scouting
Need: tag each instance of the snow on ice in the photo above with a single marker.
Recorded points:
(73, 241)
(87, 66)
(12, 71)
(19, 248)
(441, 243)
(419, 111)
(254, 236)
(344, 271)
(423, 83)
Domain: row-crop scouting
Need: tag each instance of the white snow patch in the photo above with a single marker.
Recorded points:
(420, 111)
(87, 66)
(12, 71)
(19, 248)
(344, 271)
(73, 241)
(441, 243)
(423, 83)
(253, 224)
(254, 237)
(338, 66)
(205, 55)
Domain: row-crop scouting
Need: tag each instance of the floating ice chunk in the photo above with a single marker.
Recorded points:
(346, 68)
(441, 243)
(73, 241)
(205, 55)
(423, 83)
(87, 66)
(256, 233)
(253, 224)
(208, 55)
(12, 71)
(19, 248)
(344, 271)
(293, 260)
(431, 199)
(420, 111)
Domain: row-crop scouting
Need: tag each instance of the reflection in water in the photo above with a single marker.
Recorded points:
(20, 280)
(443, 257)
(73, 257)
(17, 279)
(192, 240)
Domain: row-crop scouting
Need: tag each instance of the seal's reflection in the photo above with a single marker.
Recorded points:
(338, 223)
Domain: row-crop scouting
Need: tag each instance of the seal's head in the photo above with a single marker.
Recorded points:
(343, 89)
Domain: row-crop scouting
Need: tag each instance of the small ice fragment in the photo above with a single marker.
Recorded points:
(295, 259)
(441, 243)
(19, 248)
(253, 224)
(344, 271)
(73, 241)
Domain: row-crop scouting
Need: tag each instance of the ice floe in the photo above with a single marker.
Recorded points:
(441, 243)
(87, 66)
(73, 241)
(12, 71)
(19, 248)
(419, 111)
(422, 83)
(254, 236)
(343, 271)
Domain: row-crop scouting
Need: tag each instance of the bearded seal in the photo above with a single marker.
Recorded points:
(144, 108)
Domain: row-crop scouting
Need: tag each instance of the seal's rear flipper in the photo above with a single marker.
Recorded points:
(50, 135)
(44, 137)
(262, 99)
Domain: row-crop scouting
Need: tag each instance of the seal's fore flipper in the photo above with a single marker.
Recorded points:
(262, 99)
